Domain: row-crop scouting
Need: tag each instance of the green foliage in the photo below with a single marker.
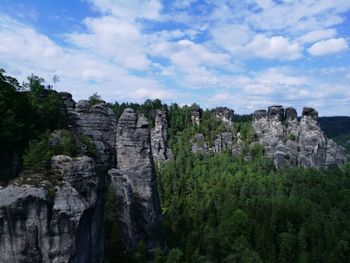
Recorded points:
(113, 247)
(218, 208)
(147, 108)
(174, 256)
(95, 99)
(26, 112)
(210, 126)
(246, 131)
(38, 155)
(338, 129)
(140, 253)
(40, 151)
(291, 137)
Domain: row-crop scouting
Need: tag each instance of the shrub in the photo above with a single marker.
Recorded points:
(37, 156)
(39, 153)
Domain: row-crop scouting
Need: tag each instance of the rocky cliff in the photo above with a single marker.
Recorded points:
(159, 138)
(134, 183)
(225, 115)
(292, 143)
(42, 221)
(97, 122)
(287, 141)
(57, 215)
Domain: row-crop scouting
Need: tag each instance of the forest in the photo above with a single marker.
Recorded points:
(216, 208)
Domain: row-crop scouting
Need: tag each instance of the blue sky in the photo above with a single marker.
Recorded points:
(245, 55)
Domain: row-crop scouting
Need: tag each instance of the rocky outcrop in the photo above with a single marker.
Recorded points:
(198, 144)
(292, 143)
(134, 183)
(196, 115)
(223, 142)
(96, 121)
(159, 138)
(42, 221)
(225, 115)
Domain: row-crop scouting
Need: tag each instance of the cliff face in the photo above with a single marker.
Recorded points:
(97, 122)
(159, 138)
(53, 223)
(286, 141)
(59, 218)
(134, 184)
(225, 115)
(293, 143)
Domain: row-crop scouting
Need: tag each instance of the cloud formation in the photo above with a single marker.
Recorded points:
(326, 47)
(250, 53)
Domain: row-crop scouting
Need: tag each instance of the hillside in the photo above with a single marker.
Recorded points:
(91, 181)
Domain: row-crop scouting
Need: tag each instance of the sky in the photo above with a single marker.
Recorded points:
(245, 55)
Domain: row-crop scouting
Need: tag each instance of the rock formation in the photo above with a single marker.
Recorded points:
(285, 140)
(223, 142)
(225, 115)
(159, 138)
(134, 183)
(59, 218)
(41, 221)
(292, 143)
(199, 145)
(196, 115)
(96, 121)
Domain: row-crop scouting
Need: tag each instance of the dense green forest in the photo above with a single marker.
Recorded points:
(224, 209)
(217, 208)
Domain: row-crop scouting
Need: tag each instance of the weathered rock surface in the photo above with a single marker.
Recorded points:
(53, 223)
(199, 145)
(225, 115)
(96, 121)
(134, 183)
(196, 116)
(159, 138)
(223, 142)
(290, 143)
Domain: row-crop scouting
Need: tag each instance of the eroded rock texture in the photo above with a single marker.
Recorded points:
(223, 142)
(159, 138)
(53, 223)
(196, 116)
(225, 115)
(99, 123)
(134, 183)
(293, 143)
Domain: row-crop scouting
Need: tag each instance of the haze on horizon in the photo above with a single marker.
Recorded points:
(245, 56)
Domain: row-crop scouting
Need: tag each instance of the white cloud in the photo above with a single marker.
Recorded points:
(182, 3)
(113, 39)
(186, 50)
(297, 16)
(276, 47)
(129, 10)
(231, 37)
(25, 51)
(326, 47)
(317, 35)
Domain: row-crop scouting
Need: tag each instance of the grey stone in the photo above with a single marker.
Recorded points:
(159, 138)
(196, 115)
(198, 144)
(53, 223)
(99, 123)
(290, 143)
(134, 184)
(225, 115)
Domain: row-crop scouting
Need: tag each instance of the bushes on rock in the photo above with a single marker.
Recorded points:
(40, 151)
